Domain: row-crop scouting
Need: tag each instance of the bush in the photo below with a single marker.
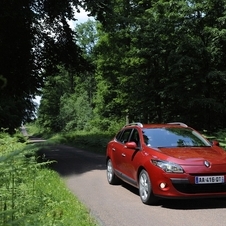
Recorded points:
(31, 194)
(95, 142)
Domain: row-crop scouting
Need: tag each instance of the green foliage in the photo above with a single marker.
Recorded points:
(163, 63)
(63, 108)
(155, 61)
(87, 36)
(30, 194)
(76, 112)
(40, 40)
(95, 141)
(109, 125)
(49, 110)
(219, 136)
(34, 129)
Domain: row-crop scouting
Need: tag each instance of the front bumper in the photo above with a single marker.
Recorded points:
(183, 186)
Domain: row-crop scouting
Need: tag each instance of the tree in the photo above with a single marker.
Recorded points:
(67, 99)
(49, 111)
(162, 61)
(34, 39)
(124, 79)
(195, 66)
(76, 112)
(153, 61)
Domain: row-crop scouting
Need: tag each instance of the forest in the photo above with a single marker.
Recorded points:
(151, 61)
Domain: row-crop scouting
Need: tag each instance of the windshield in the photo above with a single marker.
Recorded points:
(173, 137)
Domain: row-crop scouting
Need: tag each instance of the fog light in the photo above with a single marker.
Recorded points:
(162, 185)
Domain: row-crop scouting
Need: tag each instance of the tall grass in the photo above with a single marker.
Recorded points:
(31, 194)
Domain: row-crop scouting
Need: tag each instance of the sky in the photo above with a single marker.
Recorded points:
(81, 18)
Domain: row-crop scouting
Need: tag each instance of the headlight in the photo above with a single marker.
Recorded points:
(168, 167)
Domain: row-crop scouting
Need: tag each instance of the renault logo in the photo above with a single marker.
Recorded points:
(207, 164)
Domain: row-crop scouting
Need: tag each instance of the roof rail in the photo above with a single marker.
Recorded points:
(178, 123)
(134, 124)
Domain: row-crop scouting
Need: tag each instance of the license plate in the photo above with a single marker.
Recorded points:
(209, 180)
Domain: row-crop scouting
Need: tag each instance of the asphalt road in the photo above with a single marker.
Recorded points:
(120, 205)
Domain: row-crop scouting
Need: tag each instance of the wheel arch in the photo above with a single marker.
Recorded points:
(106, 160)
(138, 172)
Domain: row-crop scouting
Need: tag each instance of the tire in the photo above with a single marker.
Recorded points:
(111, 177)
(145, 189)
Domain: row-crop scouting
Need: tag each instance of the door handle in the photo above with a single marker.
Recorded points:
(113, 149)
(123, 155)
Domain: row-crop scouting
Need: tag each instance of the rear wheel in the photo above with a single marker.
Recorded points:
(145, 189)
(111, 177)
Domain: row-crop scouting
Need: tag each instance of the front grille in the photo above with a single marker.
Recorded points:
(200, 188)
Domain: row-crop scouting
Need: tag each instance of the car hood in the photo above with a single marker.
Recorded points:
(194, 155)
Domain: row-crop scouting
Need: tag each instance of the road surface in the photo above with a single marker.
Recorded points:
(120, 205)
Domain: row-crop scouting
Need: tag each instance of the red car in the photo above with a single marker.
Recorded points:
(166, 160)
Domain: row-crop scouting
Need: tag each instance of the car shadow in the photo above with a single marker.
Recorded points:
(184, 204)
(193, 204)
(130, 188)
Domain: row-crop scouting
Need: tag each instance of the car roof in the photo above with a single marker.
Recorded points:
(162, 125)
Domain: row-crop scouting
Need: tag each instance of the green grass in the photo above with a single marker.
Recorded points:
(32, 194)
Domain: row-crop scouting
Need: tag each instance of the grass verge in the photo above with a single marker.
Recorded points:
(33, 195)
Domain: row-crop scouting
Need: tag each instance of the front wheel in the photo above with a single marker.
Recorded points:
(145, 189)
(111, 177)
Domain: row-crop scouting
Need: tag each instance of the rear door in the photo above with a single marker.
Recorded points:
(118, 150)
(131, 158)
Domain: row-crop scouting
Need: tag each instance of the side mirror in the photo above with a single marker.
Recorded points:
(131, 145)
(215, 143)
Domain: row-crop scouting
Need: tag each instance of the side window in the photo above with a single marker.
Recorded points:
(117, 137)
(135, 137)
(125, 136)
